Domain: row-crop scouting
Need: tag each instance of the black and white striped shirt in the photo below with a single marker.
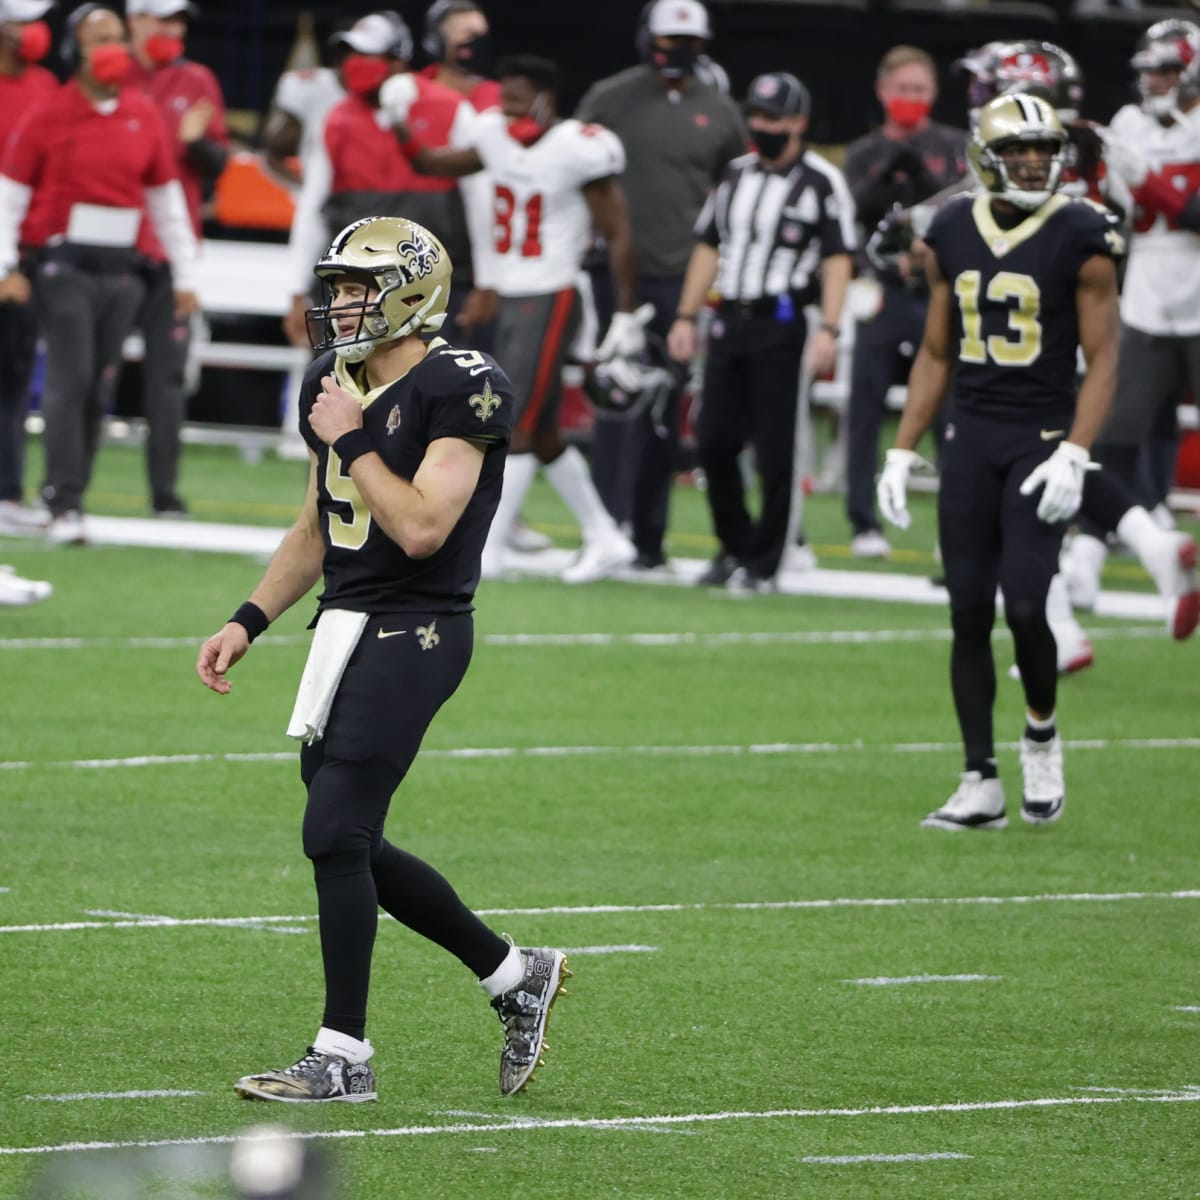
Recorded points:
(772, 229)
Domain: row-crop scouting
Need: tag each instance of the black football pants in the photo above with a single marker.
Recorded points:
(18, 346)
(164, 404)
(392, 688)
(751, 383)
(991, 535)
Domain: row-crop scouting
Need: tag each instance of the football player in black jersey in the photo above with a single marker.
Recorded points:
(1021, 277)
(407, 437)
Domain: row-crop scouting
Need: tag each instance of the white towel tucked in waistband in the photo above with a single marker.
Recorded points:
(334, 639)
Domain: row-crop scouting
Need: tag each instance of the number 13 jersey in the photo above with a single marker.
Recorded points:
(541, 221)
(1013, 291)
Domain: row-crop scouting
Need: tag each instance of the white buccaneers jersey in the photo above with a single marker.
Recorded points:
(541, 221)
(1161, 294)
(307, 96)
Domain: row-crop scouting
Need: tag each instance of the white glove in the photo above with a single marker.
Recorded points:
(1125, 160)
(1062, 476)
(396, 97)
(626, 336)
(892, 489)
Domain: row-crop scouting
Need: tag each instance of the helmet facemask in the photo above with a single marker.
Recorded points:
(1018, 121)
(404, 275)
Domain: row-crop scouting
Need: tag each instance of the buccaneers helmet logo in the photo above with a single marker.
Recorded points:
(417, 256)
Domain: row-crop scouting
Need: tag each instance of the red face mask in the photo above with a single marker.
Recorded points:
(365, 73)
(109, 64)
(906, 111)
(35, 41)
(161, 49)
(525, 130)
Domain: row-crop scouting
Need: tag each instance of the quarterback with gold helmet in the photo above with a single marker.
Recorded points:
(407, 438)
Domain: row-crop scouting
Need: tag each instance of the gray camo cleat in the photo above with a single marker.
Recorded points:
(524, 1011)
(316, 1077)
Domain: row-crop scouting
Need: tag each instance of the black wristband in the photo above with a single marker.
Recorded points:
(251, 618)
(679, 316)
(834, 331)
(353, 445)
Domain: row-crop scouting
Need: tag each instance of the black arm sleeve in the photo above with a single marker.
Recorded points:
(207, 156)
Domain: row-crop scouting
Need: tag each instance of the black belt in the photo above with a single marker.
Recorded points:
(766, 306)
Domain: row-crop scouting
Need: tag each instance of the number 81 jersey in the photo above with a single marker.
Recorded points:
(1015, 316)
(541, 221)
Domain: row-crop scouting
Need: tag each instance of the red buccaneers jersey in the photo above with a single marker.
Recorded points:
(70, 152)
(451, 393)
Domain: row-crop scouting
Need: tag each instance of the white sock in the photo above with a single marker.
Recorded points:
(330, 1041)
(1139, 531)
(1037, 725)
(519, 470)
(569, 476)
(506, 976)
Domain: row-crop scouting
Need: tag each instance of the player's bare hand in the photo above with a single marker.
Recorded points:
(334, 412)
(822, 353)
(186, 303)
(295, 323)
(194, 123)
(219, 653)
(681, 340)
(15, 289)
(479, 308)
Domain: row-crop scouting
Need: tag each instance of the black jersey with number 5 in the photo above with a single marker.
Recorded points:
(1015, 316)
(451, 393)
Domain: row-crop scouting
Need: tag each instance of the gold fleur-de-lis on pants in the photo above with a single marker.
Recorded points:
(428, 635)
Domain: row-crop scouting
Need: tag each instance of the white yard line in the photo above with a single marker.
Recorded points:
(1187, 1008)
(661, 1120)
(641, 751)
(804, 637)
(589, 910)
(152, 1094)
(893, 980)
(840, 1159)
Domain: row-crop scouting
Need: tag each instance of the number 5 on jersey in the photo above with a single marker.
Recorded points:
(346, 534)
(1022, 319)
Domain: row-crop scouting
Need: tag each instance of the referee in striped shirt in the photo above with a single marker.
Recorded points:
(776, 235)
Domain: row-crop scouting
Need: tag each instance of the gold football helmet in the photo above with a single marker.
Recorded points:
(1017, 120)
(407, 273)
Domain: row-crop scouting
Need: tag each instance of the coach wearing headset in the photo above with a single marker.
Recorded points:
(82, 165)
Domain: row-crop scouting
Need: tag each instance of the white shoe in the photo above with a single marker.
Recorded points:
(1042, 769)
(870, 544)
(16, 592)
(745, 583)
(525, 540)
(1172, 565)
(600, 557)
(799, 558)
(977, 804)
(1081, 564)
(16, 516)
(67, 529)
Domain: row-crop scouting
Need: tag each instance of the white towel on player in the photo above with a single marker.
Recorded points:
(334, 639)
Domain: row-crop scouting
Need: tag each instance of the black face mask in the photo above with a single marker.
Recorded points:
(769, 145)
(674, 62)
(475, 57)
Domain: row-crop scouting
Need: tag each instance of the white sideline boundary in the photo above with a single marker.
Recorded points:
(262, 541)
(1186, 1095)
(591, 910)
(643, 751)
